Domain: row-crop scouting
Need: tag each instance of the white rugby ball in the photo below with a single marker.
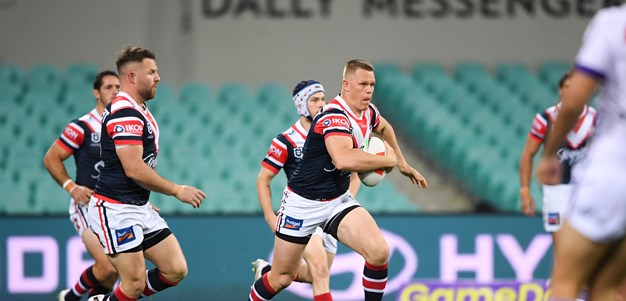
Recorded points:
(374, 146)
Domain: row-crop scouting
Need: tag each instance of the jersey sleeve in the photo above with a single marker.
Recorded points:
(72, 137)
(277, 155)
(594, 56)
(332, 123)
(125, 127)
(539, 128)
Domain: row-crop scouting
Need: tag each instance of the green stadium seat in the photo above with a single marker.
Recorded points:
(80, 76)
(16, 199)
(425, 70)
(46, 78)
(50, 198)
(551, 72)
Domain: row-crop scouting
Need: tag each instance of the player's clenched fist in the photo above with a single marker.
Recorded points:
(189, 195)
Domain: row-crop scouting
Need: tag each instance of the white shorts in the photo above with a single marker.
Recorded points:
(298, 217)
(598, 207)
(555, 200)
(121, 227)
(329, 242)
(79, 217)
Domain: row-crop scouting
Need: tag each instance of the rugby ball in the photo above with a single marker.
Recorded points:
(374, 146)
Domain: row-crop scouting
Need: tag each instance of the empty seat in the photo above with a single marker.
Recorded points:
(46, 78)
(80, 76)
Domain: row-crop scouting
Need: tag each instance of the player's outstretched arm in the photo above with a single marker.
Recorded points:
(385, 130)
(53, 161)
(144, 175)
(264, 192)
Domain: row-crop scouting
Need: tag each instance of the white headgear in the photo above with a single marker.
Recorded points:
(301, 94)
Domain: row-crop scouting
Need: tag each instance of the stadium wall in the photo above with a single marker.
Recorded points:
(41, 255)
(256, 41)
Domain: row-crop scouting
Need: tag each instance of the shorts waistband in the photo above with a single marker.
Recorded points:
(110, 200)
(318, 199)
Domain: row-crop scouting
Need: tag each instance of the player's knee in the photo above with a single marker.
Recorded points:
(106, 269)
(284, 280)
(379, 255)
(134, 286)
(178, 273)
(319, 270)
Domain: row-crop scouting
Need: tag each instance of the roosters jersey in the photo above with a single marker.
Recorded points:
(125, 123)
(316, 177)
(81, 138)
(576, 140)
(286, 150)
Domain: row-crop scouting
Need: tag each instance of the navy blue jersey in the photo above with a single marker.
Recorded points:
(316, 177)
(125, 123)
(576, 140)
(81, 138)
(286, 150)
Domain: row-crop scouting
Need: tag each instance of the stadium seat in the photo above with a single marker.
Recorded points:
(50, 198)
(45, 78)
(80, 76)
(424, 70)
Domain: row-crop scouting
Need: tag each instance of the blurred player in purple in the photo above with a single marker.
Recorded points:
(285, 153)
(119, 210)
(81, 139)
(318, 191)
(592, 245)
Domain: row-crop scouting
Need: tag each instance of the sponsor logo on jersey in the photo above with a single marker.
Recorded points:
(118, 129)
(275, 151)
(95, 137)
(124, 235)
(571, 155)
(554, 219)
(133, 128)
(71, 133)
(292, 223)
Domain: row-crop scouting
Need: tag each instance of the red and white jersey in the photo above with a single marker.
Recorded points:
(363, 125)
(125, 123)
(576, 140)
(603, 56)
(286, 150)
(81, 138)
(317, 177)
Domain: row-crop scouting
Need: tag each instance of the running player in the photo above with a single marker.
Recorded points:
(318, 191)
(555, 197)
(81, 138)
(119, 210)
(591, 244)
(286, 152)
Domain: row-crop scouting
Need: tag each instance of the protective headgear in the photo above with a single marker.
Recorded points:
(301, 94)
